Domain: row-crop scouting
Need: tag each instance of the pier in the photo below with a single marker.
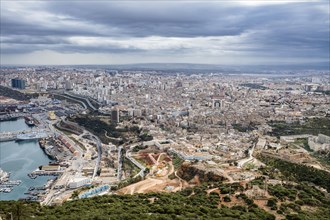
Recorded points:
(23, 135)
(7, 186)
(47, 173)
(12, 116)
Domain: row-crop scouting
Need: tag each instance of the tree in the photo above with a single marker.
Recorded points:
(272, 203)
(226, 199)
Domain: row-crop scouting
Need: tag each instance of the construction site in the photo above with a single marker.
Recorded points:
(162, 176)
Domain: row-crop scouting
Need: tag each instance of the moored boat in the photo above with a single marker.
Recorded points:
(29, 121)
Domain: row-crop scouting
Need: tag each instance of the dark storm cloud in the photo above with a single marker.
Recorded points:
(27, 39)
(131, 19)
(281, 30)
(15, 24)
(171, 19)
(291, 25)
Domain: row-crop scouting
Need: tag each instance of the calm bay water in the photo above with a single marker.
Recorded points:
(21, 158)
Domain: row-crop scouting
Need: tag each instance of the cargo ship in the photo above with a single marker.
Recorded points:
(29, 121)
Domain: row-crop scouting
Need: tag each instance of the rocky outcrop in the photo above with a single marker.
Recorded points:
(189, 171)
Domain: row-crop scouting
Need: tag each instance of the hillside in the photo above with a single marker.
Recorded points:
(182, 205)
(209, 201)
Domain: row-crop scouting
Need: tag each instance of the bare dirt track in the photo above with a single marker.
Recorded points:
(160, 183)
(151, 185)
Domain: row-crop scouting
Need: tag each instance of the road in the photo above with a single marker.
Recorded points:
(80, 97)
(120, 163)
(136, 163)
(69, 97)
(76, 164)
(181, 180)
(99, 151)
(98, 146)
(241, 163)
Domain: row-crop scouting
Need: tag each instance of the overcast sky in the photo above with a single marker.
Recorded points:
(120, 32)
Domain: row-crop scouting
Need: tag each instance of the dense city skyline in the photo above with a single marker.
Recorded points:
(213, 32)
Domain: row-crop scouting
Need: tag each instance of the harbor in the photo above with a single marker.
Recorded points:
(20, 158)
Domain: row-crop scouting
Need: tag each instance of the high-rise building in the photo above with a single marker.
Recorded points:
(18, 83)
(115, 115)
(68, 85)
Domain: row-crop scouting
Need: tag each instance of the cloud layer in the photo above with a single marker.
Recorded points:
(220, 32)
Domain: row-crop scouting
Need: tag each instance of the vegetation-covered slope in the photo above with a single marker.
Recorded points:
(298, 172)
(181, 205)
(11, 93)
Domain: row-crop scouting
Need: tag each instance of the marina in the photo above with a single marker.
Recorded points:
(39, 192)
(11, 183)
(6, 185)
(6, 189)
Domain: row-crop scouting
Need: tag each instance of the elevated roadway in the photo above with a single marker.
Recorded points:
(71, 98)
(81, 98)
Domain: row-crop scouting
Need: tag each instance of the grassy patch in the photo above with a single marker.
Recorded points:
(14, 94)
(303, 142)
(177, 161)
(128, 166)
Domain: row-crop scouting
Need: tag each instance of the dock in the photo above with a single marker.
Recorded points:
(23, 135)
(47, 173)
(12, 116)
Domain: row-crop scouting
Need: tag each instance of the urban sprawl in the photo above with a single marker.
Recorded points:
(139, 131)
